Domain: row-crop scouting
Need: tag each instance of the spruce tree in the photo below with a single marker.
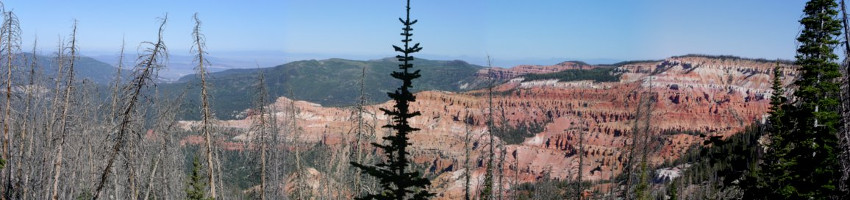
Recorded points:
(395, 179)
(804, 140)
(195, 187)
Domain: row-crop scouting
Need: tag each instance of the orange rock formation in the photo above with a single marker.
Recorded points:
(714, 96)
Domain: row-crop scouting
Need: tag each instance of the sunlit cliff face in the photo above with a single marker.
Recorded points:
(694, 94)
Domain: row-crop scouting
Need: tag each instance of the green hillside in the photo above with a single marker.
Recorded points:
(331, 82)
(85, 68)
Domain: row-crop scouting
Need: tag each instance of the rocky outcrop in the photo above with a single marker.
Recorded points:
(694, 95)
(519, 70)
(669, 173)
(483, 77)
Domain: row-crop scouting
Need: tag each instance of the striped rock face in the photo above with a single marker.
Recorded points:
(693, 95)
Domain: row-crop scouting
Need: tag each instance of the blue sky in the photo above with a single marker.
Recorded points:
(535, 32)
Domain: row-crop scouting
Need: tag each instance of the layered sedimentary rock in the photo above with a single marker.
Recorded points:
(519, 70)
(694, 95)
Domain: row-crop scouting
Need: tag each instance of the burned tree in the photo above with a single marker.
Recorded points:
(148, 63)
(10, 45)
(66, 106)
(206, 113)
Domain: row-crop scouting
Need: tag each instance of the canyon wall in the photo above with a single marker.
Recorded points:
(694, 95)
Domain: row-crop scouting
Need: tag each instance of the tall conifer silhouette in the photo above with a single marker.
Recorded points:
(395, 179)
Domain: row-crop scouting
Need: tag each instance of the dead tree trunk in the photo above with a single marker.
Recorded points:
(29, 122)
(844, 130)
(263, 129)
(467, 139)
(488, 177)
(612, 180)
(63, 129)
(299, 171)
(516, 174)
(642, 113)
(501, 169)
(580, 161)
(8, 107)
(277, 169)
(648, 101)
(144, 72)
(206, 113)
(166, 118)
(116, 85)
(357, 144)
(628, 167)
(11, 33)
(114, 109)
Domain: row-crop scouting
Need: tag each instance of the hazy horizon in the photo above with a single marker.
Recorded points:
(510, 33)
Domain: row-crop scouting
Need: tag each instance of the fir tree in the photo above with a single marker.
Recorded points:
(395, 179)
(802, 159)
(196, 187)
(777, 99)
(776, 125)
(756, 183)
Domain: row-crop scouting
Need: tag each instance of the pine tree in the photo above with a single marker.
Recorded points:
(395, 179)
(804, 140)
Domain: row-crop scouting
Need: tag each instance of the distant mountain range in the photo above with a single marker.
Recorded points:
(86, 68)
(330, 82)
(183, 65)
(333, 82)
